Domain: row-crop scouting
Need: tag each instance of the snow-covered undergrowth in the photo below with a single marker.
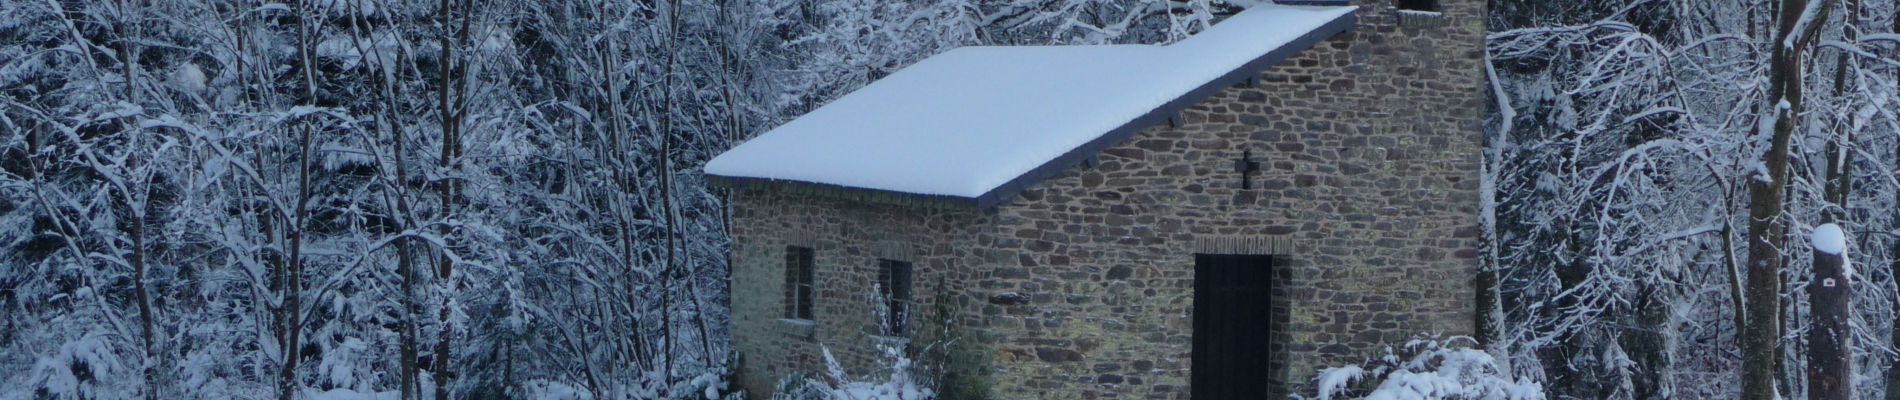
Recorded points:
(1428, 368)
(709, 384)
(898, 375)
(899, 383)
(75, 370)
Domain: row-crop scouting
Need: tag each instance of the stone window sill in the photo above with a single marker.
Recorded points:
(801, 328)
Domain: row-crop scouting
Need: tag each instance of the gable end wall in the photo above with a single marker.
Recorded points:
(1370, 146)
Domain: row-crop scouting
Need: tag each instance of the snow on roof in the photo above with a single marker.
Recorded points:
(970, 121)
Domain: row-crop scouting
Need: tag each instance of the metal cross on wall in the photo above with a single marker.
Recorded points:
(1246, 166)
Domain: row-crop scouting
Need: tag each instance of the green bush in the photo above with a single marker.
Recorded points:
(952, 362)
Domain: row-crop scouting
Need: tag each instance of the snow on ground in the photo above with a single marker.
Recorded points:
(346, 394)
(1429, 369)
(69, 373)
(551, 390)
(969, 120)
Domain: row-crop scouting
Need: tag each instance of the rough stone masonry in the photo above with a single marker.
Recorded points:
(1081, 287)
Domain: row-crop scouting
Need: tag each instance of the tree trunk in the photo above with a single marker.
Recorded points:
(405, 261)
(408, 347)
(409, 351)
(699, 316)
(1840, 173)
(1765, 230)
(1893, 268)
(1490, 312)
(292, 297)
(135, 210)
(293, 273)
(1650, 348)
(1830, 340)
(623, 183)
(449, 117)
(666, 186)
(1736, 298)
(130, 65)
(1893, 366)
(145, 304)
(1564, 377)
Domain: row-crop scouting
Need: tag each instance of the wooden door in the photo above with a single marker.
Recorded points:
(1231, 322)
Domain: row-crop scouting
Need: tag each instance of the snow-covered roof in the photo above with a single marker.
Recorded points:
(978, 124)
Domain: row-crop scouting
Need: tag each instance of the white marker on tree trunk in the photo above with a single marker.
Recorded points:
(1831, 347)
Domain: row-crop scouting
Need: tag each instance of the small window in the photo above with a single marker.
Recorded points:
(798, 282)
(894, 286)
(1419, 5)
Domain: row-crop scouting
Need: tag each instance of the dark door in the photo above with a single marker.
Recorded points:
(1231, 315)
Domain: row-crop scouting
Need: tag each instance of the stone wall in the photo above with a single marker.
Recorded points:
(1370, 145)
(848, 238)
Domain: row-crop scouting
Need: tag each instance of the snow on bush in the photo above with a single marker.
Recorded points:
(83, 368)
(707, 383)
(711, 384)
(714, 383)
(540, 389)
(899, 384)
(339, 365)
(1428, 368)
(347, 394)
(1333, 381)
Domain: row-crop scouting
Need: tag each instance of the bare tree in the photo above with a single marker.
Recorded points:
(1798, 23)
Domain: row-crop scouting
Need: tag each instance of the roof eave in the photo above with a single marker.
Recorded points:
(1314, 2)
(845, 192)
